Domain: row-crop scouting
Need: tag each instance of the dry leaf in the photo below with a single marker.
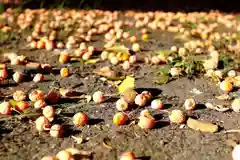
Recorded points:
(105, 72)
(162, 79)
(224, 97)
(219, 108)
(107, 143)
(201, 126)
(127, 83)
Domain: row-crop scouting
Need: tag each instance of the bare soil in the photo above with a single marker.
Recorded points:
(20, 140)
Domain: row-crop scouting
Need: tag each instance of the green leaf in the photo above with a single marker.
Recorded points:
(163, 79)
(13, 103)
(163, 52)
(164, 70)
(179, 64)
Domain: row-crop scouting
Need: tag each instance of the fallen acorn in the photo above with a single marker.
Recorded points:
(235, 152)
(49, 112)
(63, 58)
(121, 105)
(127, 156)
(156, 104)
(53, 97)
(201, 126)
(146, 113)
(48, 158)
(140, 100)
(40, 104)
(18, 76)
(5, 108)
(129, 95)
(64, 155)
(42, 124)
(189, 104)
(19, 95)
(177, 116)
(80, 119)
(98, 97)
(46, 67)
(136, 47)
(236, 105)
(120, 119)
(38, 78)
(147, 94)
(126, 65)
(226, 86)
(36, 95)
(56, 131)
(146, 122)
(64, 72)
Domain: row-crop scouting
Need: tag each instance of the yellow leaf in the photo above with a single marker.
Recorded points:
(91, 61)
(128, 82)
(163, 52)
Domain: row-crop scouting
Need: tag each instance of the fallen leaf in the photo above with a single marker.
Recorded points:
(164, 70)
(106, 72)
(201, 126)
(224, 97)
(128, 82)
(219, 108)
(91, 61)
(107, 143)
(119, 48)
(163, 52)
(162, 79)
(13, 103)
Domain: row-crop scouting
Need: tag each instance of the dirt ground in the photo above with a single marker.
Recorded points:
(20, 140)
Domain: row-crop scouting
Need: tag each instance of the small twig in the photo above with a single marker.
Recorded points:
(17, 111)
(232, 131)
